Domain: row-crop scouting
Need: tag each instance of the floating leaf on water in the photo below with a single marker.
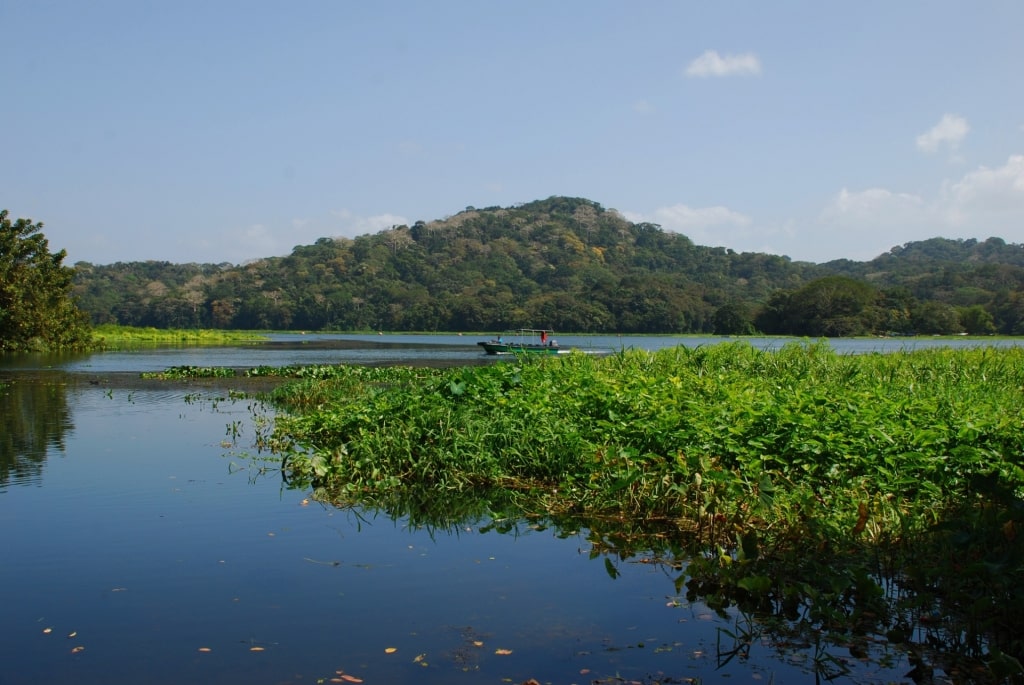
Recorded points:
(72, 634)
(478, 643)
(47, 631)
(351, 678)
(205, 649)
(419, 657)
(304, 503)
(76, 650)
(503, 652)
(390, 650)
(256, 649)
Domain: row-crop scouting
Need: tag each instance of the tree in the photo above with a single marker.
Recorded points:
(37, 311)
(732, 318)
(976, 320)
(833, 306)
(936, 318)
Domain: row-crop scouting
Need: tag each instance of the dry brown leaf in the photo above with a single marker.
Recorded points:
(503, 652)
(351, 678)
(205, 649)
(256, 649)
(47, 631)
(78, 649)
(390, 650)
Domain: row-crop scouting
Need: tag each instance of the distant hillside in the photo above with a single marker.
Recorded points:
(562, 263)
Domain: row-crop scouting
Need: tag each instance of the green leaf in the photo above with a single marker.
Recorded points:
(757, 585)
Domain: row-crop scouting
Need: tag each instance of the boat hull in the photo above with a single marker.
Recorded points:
(492, 347)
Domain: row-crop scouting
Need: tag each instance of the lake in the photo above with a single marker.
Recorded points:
(144, 539)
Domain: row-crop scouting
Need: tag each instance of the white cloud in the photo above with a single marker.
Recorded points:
(712, 64)
(350, 225)
(643, 107)
(861, 225)
(950, 130)
(258, 241)
(703, 225)
(988, 197)
(873, 203)
(681, 217)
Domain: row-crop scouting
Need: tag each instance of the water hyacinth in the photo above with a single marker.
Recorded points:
(791, 473)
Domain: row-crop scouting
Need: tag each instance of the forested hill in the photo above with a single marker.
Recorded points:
(571, 265)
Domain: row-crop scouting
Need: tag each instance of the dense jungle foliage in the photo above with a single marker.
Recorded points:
(574, 266)
(37, 311)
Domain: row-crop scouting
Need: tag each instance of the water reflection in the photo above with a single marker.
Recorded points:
(286, 349)
(164, 535)
(748, 633)
(34, 420)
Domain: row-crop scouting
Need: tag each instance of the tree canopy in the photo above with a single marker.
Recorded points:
(571, 265)
(37, 310)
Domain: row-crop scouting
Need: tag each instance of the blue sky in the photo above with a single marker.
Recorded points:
(223, 131)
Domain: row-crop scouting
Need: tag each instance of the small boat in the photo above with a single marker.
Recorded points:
(522, 340)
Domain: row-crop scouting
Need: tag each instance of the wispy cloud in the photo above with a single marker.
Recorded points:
(351, 225)
(982, 203)
(950, 131)
(990, 197)
(712, 64)
(715, 225)
(643, 107)
(682, 217)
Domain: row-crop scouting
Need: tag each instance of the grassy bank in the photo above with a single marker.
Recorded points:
(798, 481)
(110, 336)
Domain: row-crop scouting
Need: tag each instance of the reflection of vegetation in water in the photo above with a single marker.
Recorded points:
(34, 418)
(615, 542)
(850, 495)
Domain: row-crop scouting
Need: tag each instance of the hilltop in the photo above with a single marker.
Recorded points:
(568, 264)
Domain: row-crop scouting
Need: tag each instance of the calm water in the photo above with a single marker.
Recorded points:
(136, 532)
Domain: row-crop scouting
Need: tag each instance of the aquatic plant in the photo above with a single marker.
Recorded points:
(802, 480)
(186, 372)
